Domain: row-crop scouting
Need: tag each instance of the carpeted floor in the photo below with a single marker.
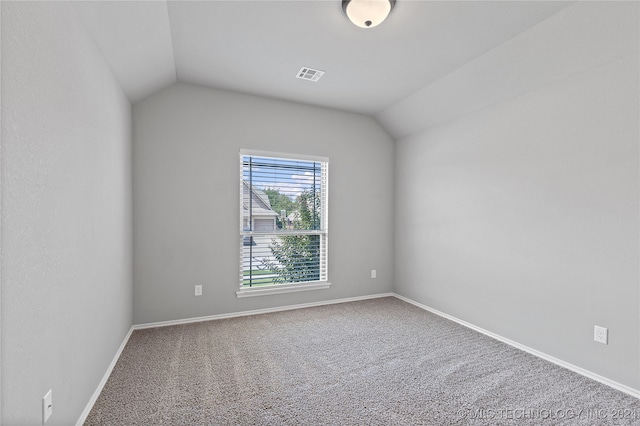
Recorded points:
(373, 362)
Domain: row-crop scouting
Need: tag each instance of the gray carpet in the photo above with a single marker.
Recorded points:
(373, 362)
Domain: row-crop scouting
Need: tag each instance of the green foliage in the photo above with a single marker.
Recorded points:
(298, 256)
(280, 201)
(309, 208)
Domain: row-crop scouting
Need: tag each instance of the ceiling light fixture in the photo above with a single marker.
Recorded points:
(367, 13)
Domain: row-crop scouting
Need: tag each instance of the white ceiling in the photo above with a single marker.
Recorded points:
(257, 47)
(574, 40)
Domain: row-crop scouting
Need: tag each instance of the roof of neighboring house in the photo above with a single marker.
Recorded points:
(260, 204)
(294, 216)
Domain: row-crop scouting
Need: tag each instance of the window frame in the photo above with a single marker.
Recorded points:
(323, 232)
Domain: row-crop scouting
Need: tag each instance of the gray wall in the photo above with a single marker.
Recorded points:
(523, 218)
(186, 214)
(66, 218)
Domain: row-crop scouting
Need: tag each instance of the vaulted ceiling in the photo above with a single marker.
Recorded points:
(257, 47)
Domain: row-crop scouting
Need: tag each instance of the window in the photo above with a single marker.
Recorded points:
(283, 223)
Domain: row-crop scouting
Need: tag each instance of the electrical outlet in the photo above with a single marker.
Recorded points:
(600, 334)
(47, 406)
(373, 273)
(198, 290)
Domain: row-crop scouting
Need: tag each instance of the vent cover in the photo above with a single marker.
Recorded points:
(309, 74)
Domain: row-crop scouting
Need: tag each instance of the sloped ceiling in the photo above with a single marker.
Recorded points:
(583, 36)
(257, 47)
(135, 40)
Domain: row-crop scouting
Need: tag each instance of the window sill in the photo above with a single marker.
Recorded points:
(282, 288)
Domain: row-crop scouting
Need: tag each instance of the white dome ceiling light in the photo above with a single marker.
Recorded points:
(367, 13)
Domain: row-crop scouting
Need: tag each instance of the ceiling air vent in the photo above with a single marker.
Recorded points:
(310, 74)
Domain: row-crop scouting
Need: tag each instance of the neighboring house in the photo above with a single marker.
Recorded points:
(262, 215)
(292, 219)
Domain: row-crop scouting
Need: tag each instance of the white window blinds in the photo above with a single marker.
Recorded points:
(284, 223)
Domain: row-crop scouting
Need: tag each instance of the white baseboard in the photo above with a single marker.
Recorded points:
(96, 394)
(605, 381)
(258, 311)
